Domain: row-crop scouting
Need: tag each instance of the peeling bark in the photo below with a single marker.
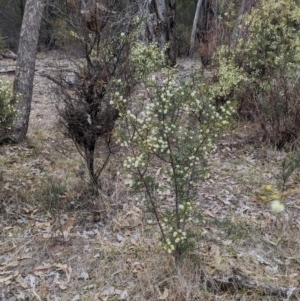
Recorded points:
(162, 26)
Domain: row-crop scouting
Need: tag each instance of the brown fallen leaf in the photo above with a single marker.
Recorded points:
(42, 226)
(22, 283)
(34, 293)
(2, 280)
(39, 274)
(25, 257)
(60, 266)
(42, 267)
(165, 294)
(26, 210)
(47, 235)
(67, 226)
(6, 251)
(7, 228)
(209, 213)
(133, 241)
(293, 275)
(137, 209)
(62, 286)
(68, 273)
(10, 265)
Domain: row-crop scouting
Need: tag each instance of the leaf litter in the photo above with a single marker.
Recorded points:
(66, 255)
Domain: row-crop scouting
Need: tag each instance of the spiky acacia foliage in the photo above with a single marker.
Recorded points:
(168, 134)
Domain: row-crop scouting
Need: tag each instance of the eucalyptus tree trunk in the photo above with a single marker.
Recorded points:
(25, 65)
(172, 49)
(147, 11)
(162, 24)
(194, 29)
(236, 31)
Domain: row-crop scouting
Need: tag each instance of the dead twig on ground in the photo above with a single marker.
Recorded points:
(239, 282)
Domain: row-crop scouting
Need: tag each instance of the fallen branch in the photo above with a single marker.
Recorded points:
(6, 251)
(9, 55)
(56, 81)
(53, 79)
(7, 71)
(243, 282)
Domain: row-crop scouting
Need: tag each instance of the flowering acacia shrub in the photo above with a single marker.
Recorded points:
(146, 59)
(8, 101)
(271, 42)
(168, 134)
(268, 53)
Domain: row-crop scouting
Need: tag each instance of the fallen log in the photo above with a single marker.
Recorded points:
(9, 55)
(7, 70)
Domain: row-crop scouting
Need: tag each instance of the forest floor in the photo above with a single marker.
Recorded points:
(59, 242)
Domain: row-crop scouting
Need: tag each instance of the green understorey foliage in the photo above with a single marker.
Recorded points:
(8, 101)
(268, 55)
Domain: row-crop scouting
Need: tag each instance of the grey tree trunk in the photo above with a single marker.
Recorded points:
(162, 26)
(194, 29)
(172, 33)
(25, 65)
(236, 30)
(146, 11)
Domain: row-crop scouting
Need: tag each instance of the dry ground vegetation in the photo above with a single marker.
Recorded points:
(59, 242)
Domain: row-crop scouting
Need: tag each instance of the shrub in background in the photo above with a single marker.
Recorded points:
(86, 115)
(8, 101)
(64, 38)
(183, 33)
(268, 53)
